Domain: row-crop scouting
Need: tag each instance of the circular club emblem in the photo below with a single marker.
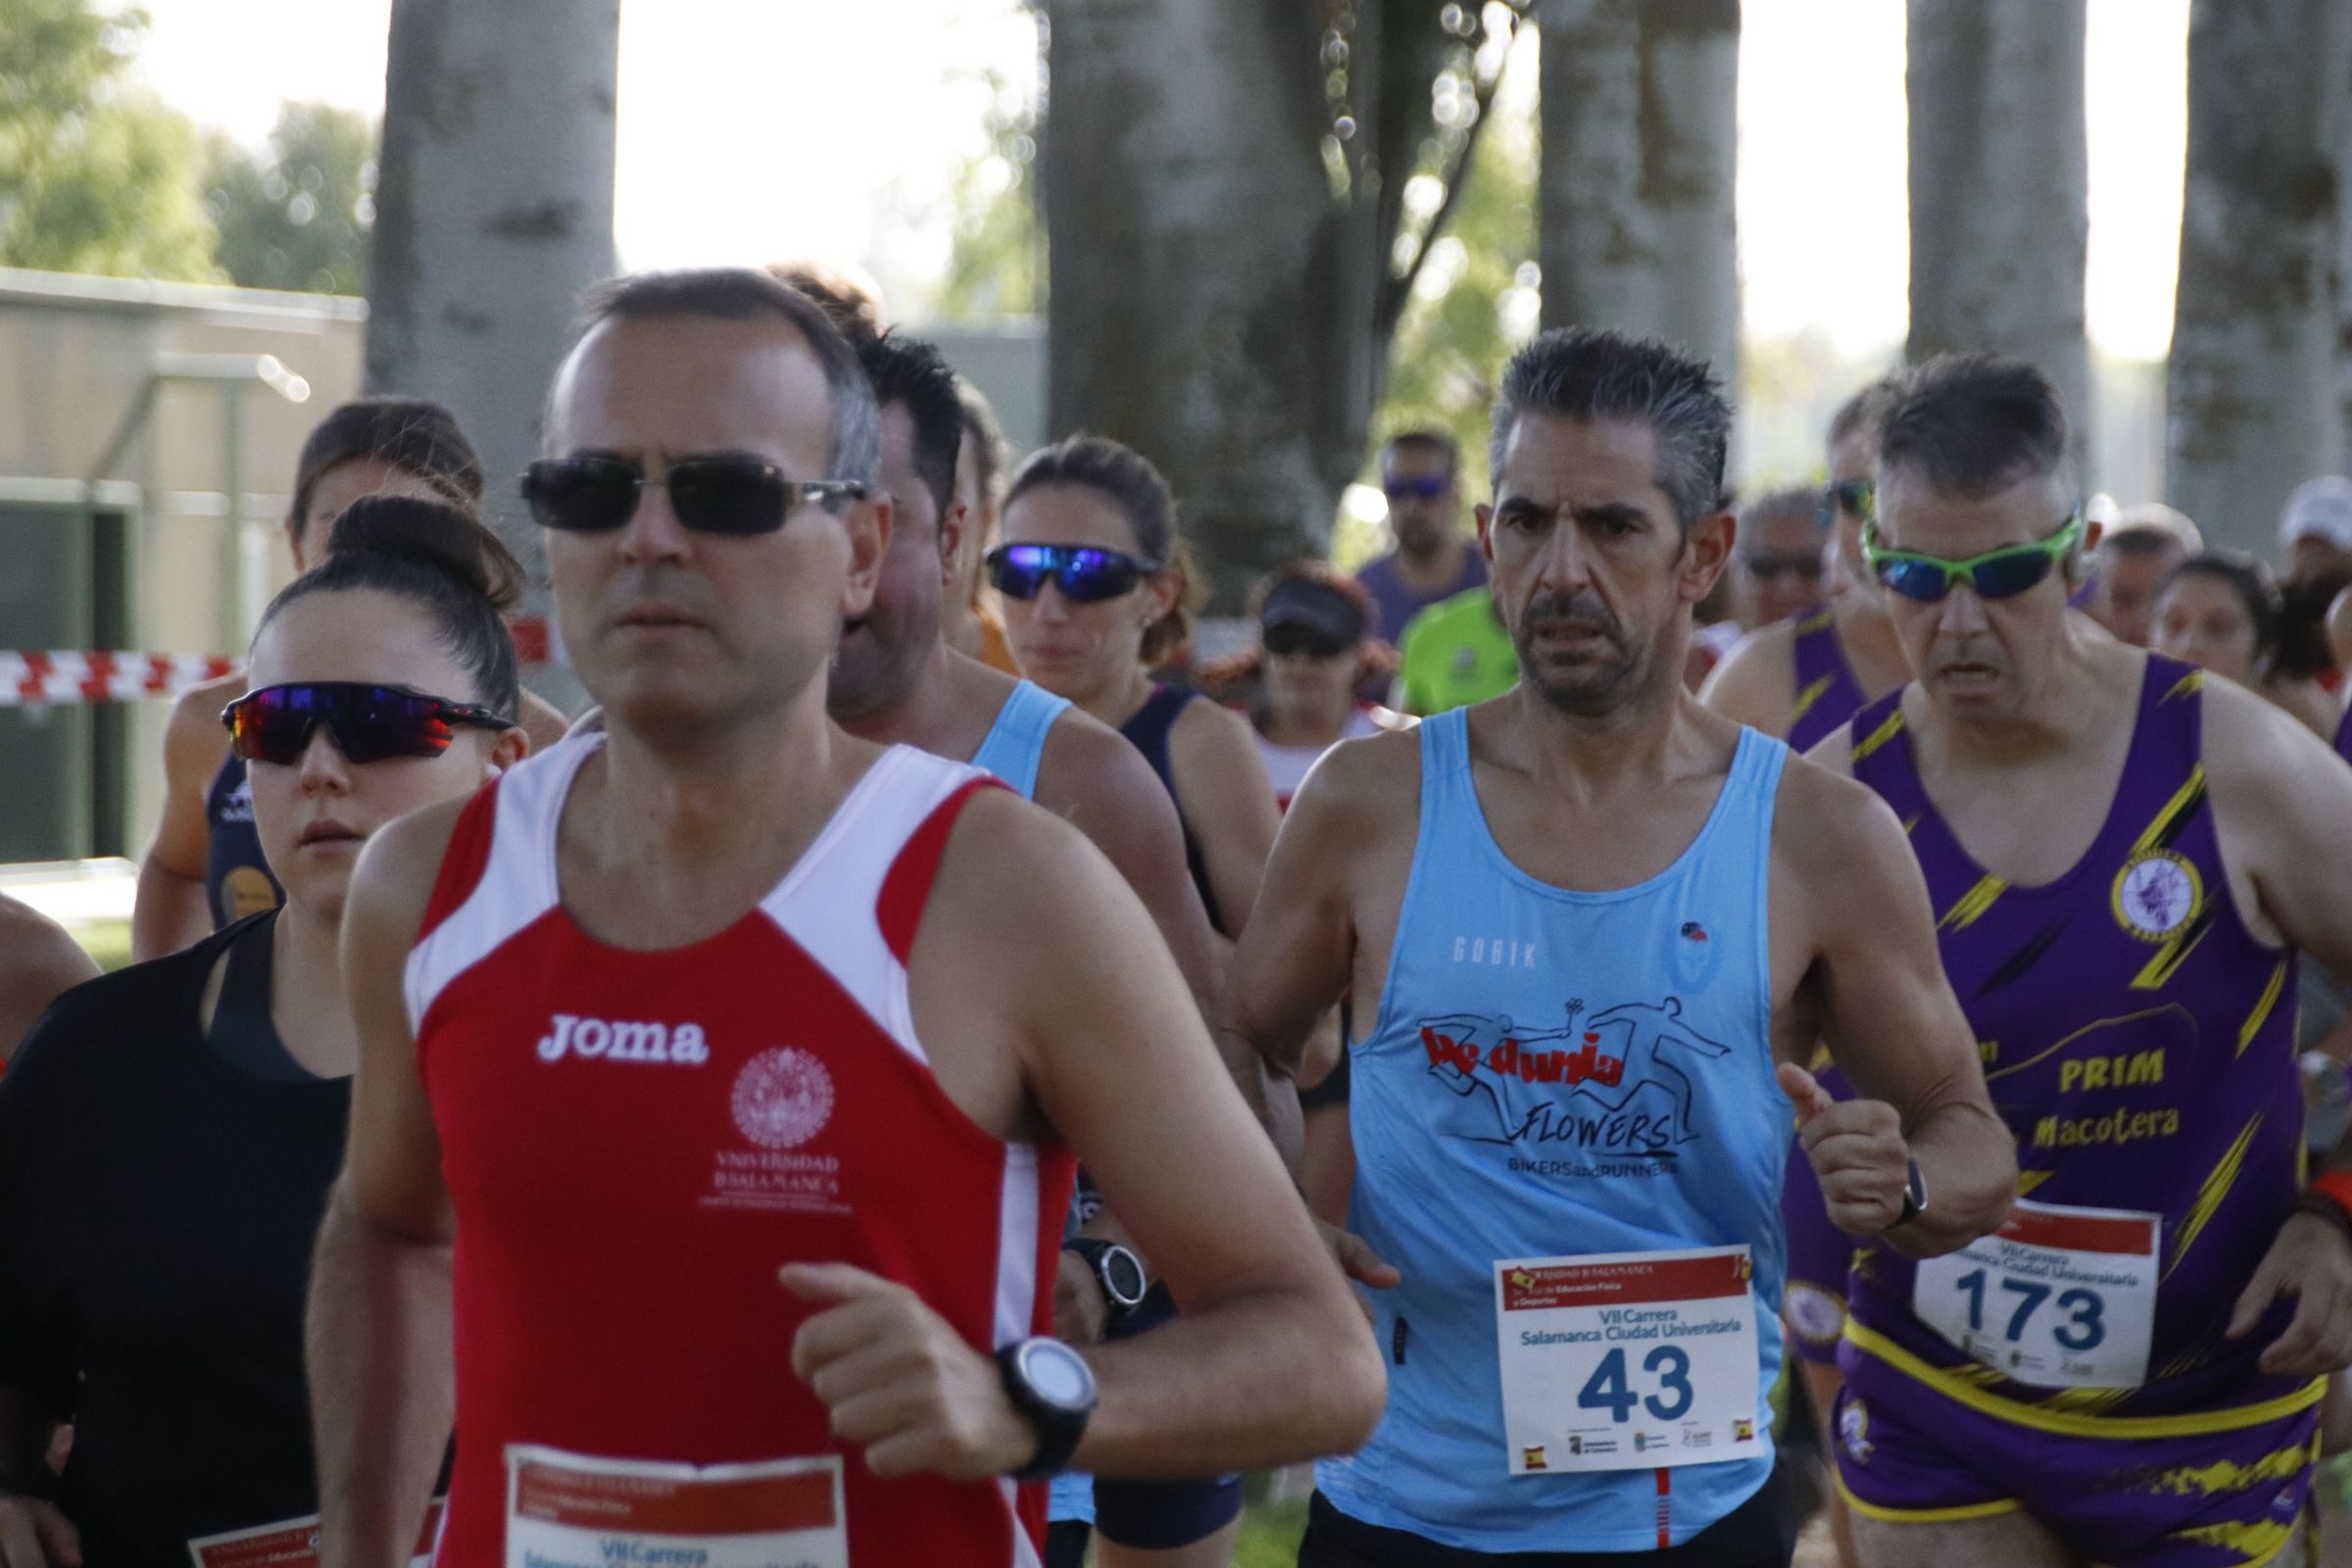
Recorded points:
(1818, 1317)
(1853, 1431)
(783, 1097)
(2155, 894)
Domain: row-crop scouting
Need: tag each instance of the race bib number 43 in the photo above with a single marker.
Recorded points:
(2062, 1298)
(567, 1511)
(1628, 1362)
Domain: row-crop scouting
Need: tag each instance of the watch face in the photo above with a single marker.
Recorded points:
(1122, 1276)
(1057, 1375)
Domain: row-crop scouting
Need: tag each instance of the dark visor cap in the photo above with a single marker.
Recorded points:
(1318, 607)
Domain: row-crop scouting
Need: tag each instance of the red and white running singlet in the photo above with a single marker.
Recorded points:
(635, 1142)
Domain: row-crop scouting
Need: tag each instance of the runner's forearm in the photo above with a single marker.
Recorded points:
(1246, 1384)
(1967, 1160)
(381, 1386)
(169, 911)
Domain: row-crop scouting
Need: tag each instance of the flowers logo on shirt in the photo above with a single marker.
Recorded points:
(1604, 1083)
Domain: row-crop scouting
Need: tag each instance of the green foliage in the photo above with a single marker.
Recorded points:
(93, 178)
(107, 942)
(1475, 298)
(54, 56)
(1270, 1531)
(298, 215)
(997, 257)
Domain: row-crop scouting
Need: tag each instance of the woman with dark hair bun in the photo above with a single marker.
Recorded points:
(2221, 611)
(204, 868)
(168, 1133)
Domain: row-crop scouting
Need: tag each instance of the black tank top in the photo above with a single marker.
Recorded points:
(236, 878)
(1148, 729)
(159, 1201)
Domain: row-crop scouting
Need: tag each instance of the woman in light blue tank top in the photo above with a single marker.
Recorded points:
(1016, 742)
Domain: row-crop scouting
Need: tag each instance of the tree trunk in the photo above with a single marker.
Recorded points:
(1998, 182)
(1635, 197)
(494, 210)
(2255, 378)
(1209, 306)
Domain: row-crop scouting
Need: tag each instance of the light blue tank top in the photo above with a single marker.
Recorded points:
(1017, 741)
(1456, 1170)
(1014, 745)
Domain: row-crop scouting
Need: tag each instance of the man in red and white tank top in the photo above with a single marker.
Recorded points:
(708, 1096)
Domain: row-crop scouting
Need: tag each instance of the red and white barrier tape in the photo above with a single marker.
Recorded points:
(35, 679)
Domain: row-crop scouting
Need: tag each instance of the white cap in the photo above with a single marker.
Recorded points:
(2154, 517)
(2319, 509)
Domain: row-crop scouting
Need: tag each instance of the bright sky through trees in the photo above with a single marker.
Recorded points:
(753, 129)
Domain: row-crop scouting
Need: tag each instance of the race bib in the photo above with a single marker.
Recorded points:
(1629, 1361)
(567, 1511)
(2062, 1298)
(294, 1544)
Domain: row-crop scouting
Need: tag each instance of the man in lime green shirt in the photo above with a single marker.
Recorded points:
(1454, 652)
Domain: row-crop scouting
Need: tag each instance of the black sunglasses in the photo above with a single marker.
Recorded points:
(366, 723)
(1857, 498)
(735, 496)
(1427, 486)
(1085, 576)
(1292, 638)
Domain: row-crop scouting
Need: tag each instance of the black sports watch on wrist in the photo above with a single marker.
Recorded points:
(1118, 1270)
(1052, 1386)
(1915, 1196)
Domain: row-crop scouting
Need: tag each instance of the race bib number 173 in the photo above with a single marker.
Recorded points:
(2062, 1297)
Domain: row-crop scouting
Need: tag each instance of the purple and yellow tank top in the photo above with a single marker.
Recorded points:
(1826, 693)
(2140, 1042)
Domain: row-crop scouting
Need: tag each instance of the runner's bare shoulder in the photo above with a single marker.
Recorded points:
(2270, 775)
(38, 961)
(1021, 888)
(1084, 758)
(543, 721)
(399, 868)
(1369, 783)
(1834, 752)
(1756, 683)
(1836, 833)
(194, 738)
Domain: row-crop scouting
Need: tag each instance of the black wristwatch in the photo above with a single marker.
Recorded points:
(1052, 1386)
(1118, 1270)
(1915, 1196)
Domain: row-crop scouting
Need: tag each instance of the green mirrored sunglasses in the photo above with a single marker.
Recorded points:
(2000, 573)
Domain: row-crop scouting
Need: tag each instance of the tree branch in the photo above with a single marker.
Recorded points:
(1397, 287)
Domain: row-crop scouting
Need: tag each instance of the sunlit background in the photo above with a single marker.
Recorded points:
(752, 130)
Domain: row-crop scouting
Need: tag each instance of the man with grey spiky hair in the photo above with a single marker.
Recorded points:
(1594, 931)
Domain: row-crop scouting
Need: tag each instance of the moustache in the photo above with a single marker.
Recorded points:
(1971, 651)
(1582, 610)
